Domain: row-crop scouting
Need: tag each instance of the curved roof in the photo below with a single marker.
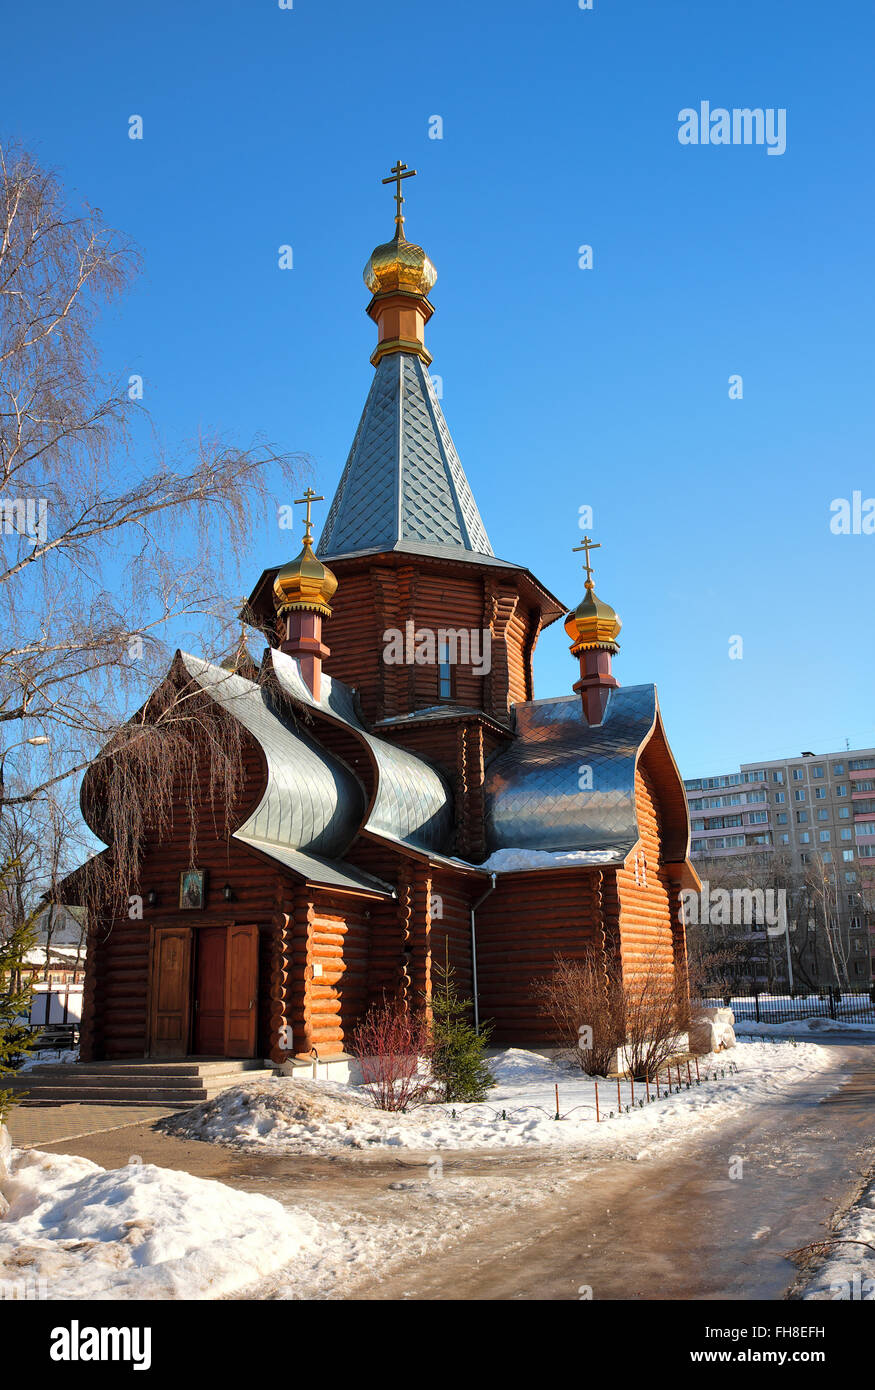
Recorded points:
(311, 802)
(565, 784)
(412, 803)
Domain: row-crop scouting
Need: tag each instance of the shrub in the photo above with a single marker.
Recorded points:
(390, 1043)
(458, 1067)
(579, 994)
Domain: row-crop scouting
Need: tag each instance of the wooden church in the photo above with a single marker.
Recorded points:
(403, 787)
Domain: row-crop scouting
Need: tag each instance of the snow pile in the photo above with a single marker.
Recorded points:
(504, 861)
(712, 1031)
(848, 1272)
(282, 1114)
(83, 1232)
(749, 1029)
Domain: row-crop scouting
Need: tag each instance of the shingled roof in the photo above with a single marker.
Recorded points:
(403, 485)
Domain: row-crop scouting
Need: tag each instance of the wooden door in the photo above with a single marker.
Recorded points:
(171, 990)
(209, 996)
(241, 992)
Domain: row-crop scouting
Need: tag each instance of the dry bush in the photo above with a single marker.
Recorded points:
(656, 1019)
(584, 993)
(390, 1042)
(646, 1014)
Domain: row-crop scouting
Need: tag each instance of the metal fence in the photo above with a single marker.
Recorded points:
(786, 1008)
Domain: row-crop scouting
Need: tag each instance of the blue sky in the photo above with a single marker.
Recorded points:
(563, 387)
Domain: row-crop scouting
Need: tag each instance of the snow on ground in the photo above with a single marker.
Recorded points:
(848, 1272)
(81, 1232)
(280, 1114)
(50, 1057)
(747, 1028)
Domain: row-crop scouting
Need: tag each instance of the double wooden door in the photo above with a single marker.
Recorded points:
(204, 991)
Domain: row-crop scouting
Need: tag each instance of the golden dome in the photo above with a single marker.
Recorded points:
(593, 623)
(399, 265)
(304, 584)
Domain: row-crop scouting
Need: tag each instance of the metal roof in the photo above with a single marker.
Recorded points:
(312, 802)
(413, 804)
(403, 482)
(565, 784)
(320, 871)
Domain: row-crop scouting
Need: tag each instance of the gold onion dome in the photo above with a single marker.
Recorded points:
(593, 623)
(304, 584)
(399, 264)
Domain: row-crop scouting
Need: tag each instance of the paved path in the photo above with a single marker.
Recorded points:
(678, 1227)
(672, 1227)
(46, 1126)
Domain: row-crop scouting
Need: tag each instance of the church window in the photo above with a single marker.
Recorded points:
(445, 673)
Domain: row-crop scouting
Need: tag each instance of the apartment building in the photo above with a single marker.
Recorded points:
(808, 809)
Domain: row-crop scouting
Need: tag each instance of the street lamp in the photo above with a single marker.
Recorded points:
(36, 740)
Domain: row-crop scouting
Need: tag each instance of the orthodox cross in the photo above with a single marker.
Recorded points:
(399, 172)
(307, 500)
(588, 545)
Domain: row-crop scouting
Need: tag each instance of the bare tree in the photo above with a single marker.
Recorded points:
(101, 553)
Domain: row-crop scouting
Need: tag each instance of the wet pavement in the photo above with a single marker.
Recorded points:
(714, 1221)
(713, 1218)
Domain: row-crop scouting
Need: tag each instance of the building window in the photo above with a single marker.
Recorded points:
(827, 857)
(797, 774)
(817, 772)
(782, 818)
(845, 834)
(844, 813)
(445, 673)
(800, 795)
(801, 817)
(824, 837)
(838, 769)
(820, 793)
(842, 789)
(850, 878)
(823, 815)
(785, 839)
(805, 838)
(780, 797)
(848, 856)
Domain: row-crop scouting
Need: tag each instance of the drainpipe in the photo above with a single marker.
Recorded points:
(474, 907)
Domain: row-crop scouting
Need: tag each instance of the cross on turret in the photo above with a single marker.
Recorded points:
(399, 172)
(307, 500)
(588, 545)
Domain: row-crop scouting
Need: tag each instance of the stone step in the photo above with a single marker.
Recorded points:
(105, 1080)
(218, 1066)
(115, 1095)
(102, 1084)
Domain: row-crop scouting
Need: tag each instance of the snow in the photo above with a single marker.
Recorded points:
(749, 1029)
(281, 1114)
(848, 1272)
(81, 1232)
(713, 1031)
(504, 861)
(50, 1056)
